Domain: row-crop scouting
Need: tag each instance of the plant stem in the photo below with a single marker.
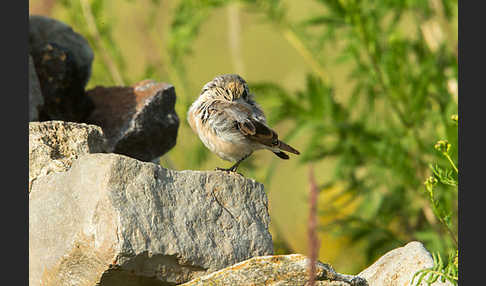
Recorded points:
(110, 64)
(452, 163)
(441, 219)
(312, 226)
(234, 37)
(374, 63)
(443, 274)
(294, 40)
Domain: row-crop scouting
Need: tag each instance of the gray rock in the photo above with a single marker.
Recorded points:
(398, 266)
(44, 30)
(276, 270)
(35, 96)
(114, 220)
(139, 121)
(53, 145)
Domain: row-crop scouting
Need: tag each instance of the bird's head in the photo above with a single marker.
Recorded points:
(230, 87)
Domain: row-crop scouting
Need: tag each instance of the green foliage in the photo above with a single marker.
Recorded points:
(380, 136)
(446, 180)
(89, 18)
(439, 272)
(188, 17)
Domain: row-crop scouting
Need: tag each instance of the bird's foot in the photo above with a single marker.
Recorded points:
(232, 170)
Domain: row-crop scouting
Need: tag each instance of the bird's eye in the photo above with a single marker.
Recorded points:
(244, 94)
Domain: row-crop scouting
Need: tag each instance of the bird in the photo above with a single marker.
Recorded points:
(231, 124)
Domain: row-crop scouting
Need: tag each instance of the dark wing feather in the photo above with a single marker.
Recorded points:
(266, 136)
(252, 128)
(263, 134)
(245, 123)
(246, 127)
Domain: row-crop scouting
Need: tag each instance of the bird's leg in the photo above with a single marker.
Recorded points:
(235, 166)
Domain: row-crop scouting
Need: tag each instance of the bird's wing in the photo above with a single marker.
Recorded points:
(243, 118)
(262, 133)
(266, 136)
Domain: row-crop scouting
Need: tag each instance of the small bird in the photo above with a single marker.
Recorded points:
(231, 124)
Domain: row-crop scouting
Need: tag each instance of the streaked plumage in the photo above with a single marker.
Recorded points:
(230, 123)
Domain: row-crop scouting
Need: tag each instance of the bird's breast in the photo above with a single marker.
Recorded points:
(228, 145)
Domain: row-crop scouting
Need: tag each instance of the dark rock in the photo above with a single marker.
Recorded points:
(43, 30)
(138, 121)
(62, 60)
(62, 88)
(36, 102)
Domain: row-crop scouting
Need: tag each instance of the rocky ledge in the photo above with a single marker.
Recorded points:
(114, 220)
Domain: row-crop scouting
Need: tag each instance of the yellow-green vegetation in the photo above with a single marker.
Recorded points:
(363, 88)
(440, 186)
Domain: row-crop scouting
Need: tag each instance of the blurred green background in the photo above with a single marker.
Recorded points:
(363, 89)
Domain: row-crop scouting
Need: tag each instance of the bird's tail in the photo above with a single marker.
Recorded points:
(283, 146)
(281, 154)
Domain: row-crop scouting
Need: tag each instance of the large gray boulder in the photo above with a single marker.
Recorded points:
(398, 266)
(139, 121)
(35, 96)
(53, 145)
(114, 220)
(281, 270)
